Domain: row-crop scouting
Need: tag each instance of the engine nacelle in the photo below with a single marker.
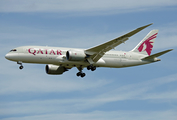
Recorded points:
(54, 69)
(75, 55)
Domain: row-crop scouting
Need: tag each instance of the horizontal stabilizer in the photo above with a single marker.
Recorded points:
(156, 55)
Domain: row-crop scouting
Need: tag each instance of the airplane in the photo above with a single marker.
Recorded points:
(60, 60)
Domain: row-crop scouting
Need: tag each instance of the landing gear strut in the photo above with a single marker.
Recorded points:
(80, 73)
(20, 63)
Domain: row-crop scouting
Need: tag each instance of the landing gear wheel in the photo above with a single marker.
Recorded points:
(93, 68)
(83, 75)
(89, 67)
(79, 74)
(21, 67)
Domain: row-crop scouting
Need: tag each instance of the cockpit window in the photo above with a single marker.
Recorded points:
(13, 50)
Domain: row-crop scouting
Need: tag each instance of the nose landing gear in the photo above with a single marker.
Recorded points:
(21, 67)
(20, 63)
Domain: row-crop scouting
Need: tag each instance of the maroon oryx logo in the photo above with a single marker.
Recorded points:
(148, 45)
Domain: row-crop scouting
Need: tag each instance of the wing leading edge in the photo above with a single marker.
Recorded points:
(95, 53)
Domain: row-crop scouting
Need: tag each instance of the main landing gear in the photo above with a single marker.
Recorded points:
(80, 73)
(20, 63)
(91, 67)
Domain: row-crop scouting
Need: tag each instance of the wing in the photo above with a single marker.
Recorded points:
(97, 52)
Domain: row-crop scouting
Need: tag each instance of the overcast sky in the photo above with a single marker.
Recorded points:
(135, 93)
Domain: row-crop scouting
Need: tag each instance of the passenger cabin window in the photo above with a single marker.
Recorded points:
(13, 50)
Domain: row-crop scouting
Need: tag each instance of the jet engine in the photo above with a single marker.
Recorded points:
(75, 55)
(55, 70)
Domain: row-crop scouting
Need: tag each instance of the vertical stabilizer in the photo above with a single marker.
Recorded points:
(146, 45)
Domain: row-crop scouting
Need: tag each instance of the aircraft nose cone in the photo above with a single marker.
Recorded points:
(7, 56)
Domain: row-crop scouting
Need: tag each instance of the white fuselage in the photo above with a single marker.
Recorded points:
(59, 59)
(57, 56)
